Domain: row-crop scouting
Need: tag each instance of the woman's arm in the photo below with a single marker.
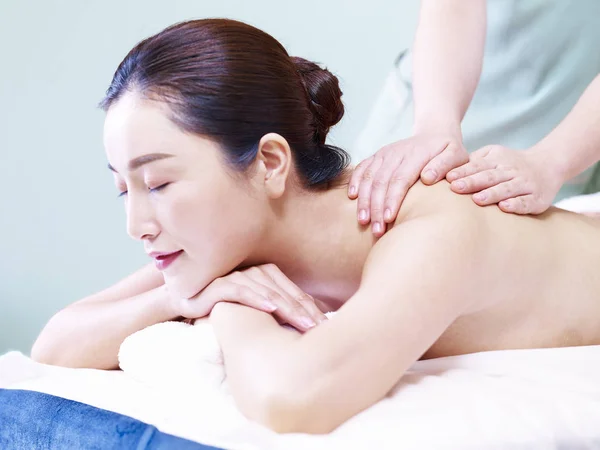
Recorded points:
(88, 333)
(413, 288)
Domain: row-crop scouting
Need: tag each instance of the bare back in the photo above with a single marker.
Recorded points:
(543, 284)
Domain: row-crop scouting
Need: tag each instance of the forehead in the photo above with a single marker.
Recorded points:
(135, 126)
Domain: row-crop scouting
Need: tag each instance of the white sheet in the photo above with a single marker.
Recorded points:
(540, 399)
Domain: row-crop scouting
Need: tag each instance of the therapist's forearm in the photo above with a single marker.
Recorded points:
(574, 145)
(447, 61)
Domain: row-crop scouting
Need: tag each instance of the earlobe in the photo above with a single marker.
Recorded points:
(274, 157)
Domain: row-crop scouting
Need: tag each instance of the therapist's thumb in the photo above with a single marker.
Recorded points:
(451, 157)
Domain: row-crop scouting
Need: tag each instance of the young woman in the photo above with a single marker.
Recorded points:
(216, 138)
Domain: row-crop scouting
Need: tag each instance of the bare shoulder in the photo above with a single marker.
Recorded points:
(423, 200)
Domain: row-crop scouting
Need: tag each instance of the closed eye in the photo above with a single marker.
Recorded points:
(159, 188)
(156, 189)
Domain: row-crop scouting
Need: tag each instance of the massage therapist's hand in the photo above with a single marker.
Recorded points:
(262, 287)
(382, 181)
(520, 182)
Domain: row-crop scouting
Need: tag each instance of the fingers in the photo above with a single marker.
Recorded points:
(451, 157)
(288, 310)
(472, 167)
(224, 290)
(480, 181)
(364, 190)
(293, 292)
(523, 204)
(500, 192)
(476, 163)
(379, 190)
(398, 188)
(357, 176)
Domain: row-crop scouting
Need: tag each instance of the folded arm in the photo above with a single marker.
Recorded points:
(413, 288)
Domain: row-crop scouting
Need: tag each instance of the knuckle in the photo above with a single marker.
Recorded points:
(399, 181)
(237, 291)
(368, 175)
(298, 309)
(272, 296)
(270, 267)
(303, 298)
(254, 270)
(379, 184)
(361, 165)
(219, 282)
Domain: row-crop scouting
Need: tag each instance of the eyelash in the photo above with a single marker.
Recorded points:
(156, 189)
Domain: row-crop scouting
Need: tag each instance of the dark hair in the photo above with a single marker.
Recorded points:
(235, 83)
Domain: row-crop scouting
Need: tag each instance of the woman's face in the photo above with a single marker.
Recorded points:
(180, 195)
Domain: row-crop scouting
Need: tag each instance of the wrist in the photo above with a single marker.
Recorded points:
(434, 125)
(168, 304)
(554, 161)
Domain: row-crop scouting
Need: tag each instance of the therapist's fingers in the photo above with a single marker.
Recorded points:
(523, 204)
(453, 156)
(477, 162)
(481, 180)
(356, 177)
(379, 190)
(399, 185)
(502, 191)
(365, 188)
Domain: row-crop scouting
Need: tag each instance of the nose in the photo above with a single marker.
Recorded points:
(141, 221)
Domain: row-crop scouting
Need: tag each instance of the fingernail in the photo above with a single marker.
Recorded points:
(307, 322)
(480, 196)
(362, 215)
(352, 190)
(460, 185)
(377, 227)
(270, 306)
(430, 175)
(505, 204)
(451, 176)
(388, 214)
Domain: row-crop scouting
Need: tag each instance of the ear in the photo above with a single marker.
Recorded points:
(274, 159)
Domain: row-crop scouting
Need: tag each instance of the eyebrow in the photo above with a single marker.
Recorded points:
(138, 162)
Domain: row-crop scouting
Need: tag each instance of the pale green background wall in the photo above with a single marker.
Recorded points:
(62, 229)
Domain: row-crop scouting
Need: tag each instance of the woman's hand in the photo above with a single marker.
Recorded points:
(264, 288)
(520, 182)
(382, 181)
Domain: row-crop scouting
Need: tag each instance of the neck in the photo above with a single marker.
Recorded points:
(317, 242)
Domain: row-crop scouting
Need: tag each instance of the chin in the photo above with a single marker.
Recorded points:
(184, 287)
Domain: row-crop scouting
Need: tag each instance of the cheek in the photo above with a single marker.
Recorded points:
(217, 226)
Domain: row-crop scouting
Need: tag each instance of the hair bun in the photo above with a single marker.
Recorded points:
(325, 95)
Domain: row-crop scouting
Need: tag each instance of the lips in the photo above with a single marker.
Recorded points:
(164, 260)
